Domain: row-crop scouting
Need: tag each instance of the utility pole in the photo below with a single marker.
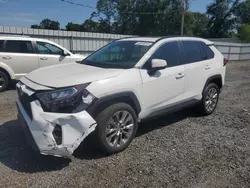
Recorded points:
(183, 16)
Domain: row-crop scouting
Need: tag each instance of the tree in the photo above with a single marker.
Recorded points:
(47, 24)
(50, 24)
(73, 27)
(200, 28)
(221, 18)
(244, 33)
(90, 26)
(140, 17)
(35, 26)
(242, 12)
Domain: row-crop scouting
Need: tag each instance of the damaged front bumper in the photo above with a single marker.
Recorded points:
(74, 129)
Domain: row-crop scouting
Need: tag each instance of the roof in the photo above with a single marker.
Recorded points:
(145, 39)
(21, 37)
(156, 39)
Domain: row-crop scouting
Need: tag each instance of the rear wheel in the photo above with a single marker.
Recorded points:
(4, 81)
(117, 126)
(210, 99)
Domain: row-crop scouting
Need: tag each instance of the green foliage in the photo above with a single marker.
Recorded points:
(163, 17)
(73, 27)
(221, 18)
(35, 26)
(47, 24)
(242, 11)
(244, 33)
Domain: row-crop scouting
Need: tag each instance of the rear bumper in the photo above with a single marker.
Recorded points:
(39, 130)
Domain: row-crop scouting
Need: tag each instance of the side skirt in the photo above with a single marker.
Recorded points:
(171, 109)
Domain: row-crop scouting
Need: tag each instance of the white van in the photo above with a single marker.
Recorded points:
(21, 55)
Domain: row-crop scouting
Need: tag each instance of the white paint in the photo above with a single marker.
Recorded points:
(75, 128)
(19, 64)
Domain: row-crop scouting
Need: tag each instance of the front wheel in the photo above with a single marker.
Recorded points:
(116, 127)
(210, 99)
(4, 81)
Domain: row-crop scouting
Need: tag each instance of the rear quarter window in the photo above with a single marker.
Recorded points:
(209, 53)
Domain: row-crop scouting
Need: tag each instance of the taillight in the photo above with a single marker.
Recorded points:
(225, 62)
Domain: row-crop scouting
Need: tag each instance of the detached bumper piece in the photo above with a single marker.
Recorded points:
(54, 134)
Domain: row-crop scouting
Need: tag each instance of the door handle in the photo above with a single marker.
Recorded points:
(207, 67)
(43, 58)
(180, 75)
(6, 57)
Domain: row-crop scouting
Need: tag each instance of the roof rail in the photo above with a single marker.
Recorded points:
(13, 35)
(169, 36)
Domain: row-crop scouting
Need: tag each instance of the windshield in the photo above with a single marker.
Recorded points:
(118, 54)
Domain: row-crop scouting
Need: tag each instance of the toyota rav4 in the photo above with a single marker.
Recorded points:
(123, 83)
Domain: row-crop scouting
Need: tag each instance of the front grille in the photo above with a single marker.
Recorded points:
(25, 100)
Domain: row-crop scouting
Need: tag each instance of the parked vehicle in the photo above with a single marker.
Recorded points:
(123, 83)
(21, 55)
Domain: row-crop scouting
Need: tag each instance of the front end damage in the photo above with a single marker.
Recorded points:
(57, 134)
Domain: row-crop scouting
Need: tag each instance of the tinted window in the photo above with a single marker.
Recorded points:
(209, 53)
(47, 48)
(168, 52)
(19, 46)
(1, 45)
(192, 51)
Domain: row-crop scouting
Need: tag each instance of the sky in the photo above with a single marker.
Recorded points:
(23, 13)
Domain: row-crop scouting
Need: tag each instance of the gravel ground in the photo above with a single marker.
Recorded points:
(178, 150)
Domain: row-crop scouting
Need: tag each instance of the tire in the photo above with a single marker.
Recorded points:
(4, 81)
(210, 98)
(107, 124)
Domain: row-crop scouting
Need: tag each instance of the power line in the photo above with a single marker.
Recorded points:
(78, 4)
(138, 13)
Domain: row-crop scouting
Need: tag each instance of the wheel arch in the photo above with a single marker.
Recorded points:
(217, 79)
(5, 68)
(123, 97)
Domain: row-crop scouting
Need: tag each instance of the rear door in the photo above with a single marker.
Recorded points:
(165, 88)
(20, 56)
(196, 69)
(49, 54)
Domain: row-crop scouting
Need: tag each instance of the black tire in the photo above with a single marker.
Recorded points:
(204, 107)
(4, 81)
(104, 117)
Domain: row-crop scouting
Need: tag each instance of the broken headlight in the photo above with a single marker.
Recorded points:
(66, 100)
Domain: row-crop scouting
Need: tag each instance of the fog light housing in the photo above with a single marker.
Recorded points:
(57, 134)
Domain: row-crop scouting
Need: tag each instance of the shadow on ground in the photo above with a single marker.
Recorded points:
(88, 150)
(17, 155)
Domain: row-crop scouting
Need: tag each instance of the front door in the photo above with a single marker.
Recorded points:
(165, 88)
(50, 54)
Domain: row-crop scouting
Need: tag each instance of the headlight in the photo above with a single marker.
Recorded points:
(66, 100)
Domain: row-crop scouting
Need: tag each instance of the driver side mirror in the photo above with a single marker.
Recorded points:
(157, 64)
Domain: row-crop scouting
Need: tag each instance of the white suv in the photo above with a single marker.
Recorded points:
(21, 55)
(123, 83)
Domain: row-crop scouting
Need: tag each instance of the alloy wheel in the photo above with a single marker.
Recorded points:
(119, 128)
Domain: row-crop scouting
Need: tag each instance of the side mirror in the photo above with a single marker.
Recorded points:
(157, 64)
(65, 53)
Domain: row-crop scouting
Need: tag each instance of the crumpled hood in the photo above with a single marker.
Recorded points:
(70, 74)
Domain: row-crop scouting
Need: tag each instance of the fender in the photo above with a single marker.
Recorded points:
(103, 102)
(8, 69)
(215, 77)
